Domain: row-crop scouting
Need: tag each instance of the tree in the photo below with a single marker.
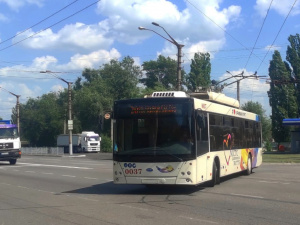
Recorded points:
(257, 108)
(293, 57)
(42, 120)
(281, 96)
(162, 71)
(97, 89)
(121, 78)
(199, 75)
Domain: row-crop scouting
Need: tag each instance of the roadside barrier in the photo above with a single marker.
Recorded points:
(42, 151)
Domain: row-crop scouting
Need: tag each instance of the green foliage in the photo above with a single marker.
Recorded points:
(106, 144)
(199, 75)
(256, 107)
(282, 97)
(148, 91)
(41, 120)
(268, 145)
(93, 94)
(293, 57)
(121, 78)
(162, 71)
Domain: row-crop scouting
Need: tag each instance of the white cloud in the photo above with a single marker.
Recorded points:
(8, 101)
(92, 60)
(71, 37)
(272, 47)
(3, 18)
(50, 63)
(124, 17)
(281, 7)
(16, 4)
(43, 63)
(57, 88)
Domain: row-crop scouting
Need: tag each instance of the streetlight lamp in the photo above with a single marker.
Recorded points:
(179, 49)
(17, 107)
(70, 121)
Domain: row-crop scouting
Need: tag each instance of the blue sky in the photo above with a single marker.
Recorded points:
(66, 36)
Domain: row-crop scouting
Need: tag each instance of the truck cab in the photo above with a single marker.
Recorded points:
(90, 141)
(10, 143)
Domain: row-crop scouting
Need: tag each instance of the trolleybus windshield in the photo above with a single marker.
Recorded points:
(154, 130)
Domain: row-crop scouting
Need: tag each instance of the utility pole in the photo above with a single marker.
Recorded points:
(237, 83)
(17, 107)
(70, 121)
(241, 77)
(179, 51)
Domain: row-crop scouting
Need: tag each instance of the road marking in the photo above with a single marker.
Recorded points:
(93, 200)
(68, 176)
(47, 165)
(109, 180)
(268, 182)
(29, 171)
(248, 196)
(132, 207)
(200, 220)
(272, 182)
(48, 173)
(91, 178)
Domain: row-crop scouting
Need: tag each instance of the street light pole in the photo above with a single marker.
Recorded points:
(70, 121)
(17, 107)
(179, 51)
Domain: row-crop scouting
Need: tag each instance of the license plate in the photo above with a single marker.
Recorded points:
(4, 153)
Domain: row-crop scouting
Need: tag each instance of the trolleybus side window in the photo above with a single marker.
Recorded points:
(201, 133)
(233, 133)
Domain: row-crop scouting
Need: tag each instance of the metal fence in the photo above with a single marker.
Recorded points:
(42, 150)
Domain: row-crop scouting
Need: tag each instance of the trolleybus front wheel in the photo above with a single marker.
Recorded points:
(249, 165)
(215, 175)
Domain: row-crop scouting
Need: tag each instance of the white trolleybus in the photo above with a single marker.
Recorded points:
(173, 138)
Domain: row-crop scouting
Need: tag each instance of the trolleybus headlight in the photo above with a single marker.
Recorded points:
(116, 173)
(188, 173)
(182, 173)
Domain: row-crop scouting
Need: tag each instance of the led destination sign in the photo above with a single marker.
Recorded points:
(153, 109)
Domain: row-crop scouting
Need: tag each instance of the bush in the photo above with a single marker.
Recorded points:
(268, 146)
(106, 144)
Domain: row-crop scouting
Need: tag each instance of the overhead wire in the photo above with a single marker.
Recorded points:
(277, 34)
(53, 14)
(226, 32)
(259, 33)
(50, 26)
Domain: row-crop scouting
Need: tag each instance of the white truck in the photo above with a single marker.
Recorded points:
(10, 143)
(87, 141)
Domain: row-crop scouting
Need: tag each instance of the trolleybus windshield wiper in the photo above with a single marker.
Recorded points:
(168, 153)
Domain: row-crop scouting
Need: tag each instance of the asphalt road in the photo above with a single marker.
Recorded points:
(79, 190)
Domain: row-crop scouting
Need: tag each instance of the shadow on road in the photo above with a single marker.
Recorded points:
(110, 188)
